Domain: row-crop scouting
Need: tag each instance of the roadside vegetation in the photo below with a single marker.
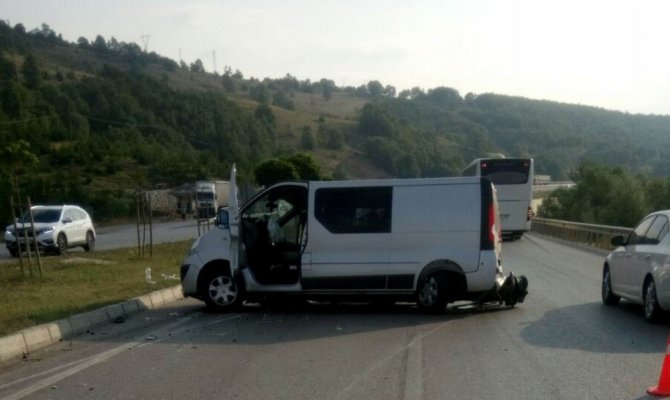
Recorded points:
(608, 196)
(94, 121)
(79, 282)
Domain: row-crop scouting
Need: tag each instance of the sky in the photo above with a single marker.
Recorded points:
(609, 54)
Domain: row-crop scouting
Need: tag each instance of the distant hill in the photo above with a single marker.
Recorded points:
(103, 118)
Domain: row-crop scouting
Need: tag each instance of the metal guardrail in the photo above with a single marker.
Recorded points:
(594, 235)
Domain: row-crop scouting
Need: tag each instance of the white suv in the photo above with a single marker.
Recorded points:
(56, 228)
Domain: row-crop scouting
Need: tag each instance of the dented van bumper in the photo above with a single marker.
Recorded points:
(511, 289)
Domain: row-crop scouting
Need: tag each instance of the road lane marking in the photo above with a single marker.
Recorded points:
(416, 379)
(88, 362)
(414, 366)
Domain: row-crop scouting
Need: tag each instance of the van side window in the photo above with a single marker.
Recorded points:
(354, 210)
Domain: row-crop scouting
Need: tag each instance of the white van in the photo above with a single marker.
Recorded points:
(432, 241)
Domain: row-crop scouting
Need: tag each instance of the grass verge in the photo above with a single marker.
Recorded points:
(78, 282)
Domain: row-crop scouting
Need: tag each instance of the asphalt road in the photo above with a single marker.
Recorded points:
(112, 237)
(562, 343)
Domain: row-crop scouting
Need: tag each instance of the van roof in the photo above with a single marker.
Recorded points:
(398, 182)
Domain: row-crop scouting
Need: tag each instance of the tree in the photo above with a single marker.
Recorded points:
(7, 70)
(197, 66)
(264, 113)
(31, 72)
(305, 166)
(18, 159)
(99, 45)
(445, 97)
(9, 99)
(375, 89)
(281, 99)
(274, 170)
(405, 94)
(602, 195)
(375, 121)
(307, 140)
(83, 42)
(228, 83)
(334, 138)
(260, 93)
(327, 92)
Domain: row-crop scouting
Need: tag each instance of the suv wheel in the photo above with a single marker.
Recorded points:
(61, 244)
(90, 241)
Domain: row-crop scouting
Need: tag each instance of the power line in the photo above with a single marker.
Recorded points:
(23, 121)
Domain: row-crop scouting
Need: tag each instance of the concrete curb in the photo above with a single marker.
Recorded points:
(36, 337)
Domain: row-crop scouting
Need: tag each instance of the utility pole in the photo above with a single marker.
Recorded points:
(145, 41)
(214, 60)
(180, 59)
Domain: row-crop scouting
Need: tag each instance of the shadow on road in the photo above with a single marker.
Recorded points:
(279, 323)
(597, 328)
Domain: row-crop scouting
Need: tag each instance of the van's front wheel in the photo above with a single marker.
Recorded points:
(432, 293)
(221, 292)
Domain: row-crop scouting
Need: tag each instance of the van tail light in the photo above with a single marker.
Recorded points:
(489, 224)
(492, 224)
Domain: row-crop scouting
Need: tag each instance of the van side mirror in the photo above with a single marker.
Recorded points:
(618, 241)
(221, 220)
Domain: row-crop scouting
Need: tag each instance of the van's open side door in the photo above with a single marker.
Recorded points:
(234, 220)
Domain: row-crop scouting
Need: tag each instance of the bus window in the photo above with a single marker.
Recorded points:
(506, 172)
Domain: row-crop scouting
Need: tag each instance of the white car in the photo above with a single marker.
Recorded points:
(56, 228)
(639, 268)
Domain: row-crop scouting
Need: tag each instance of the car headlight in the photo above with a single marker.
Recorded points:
(194, 245)
(43, 231)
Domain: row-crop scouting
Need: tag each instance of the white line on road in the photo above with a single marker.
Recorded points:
(101, 357)
(413, 376)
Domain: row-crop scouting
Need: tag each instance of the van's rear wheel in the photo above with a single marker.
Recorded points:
(221, 292)
(432, 293)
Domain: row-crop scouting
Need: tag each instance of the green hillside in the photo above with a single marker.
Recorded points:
(92, 121)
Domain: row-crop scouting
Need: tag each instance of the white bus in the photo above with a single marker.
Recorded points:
(513, 179)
